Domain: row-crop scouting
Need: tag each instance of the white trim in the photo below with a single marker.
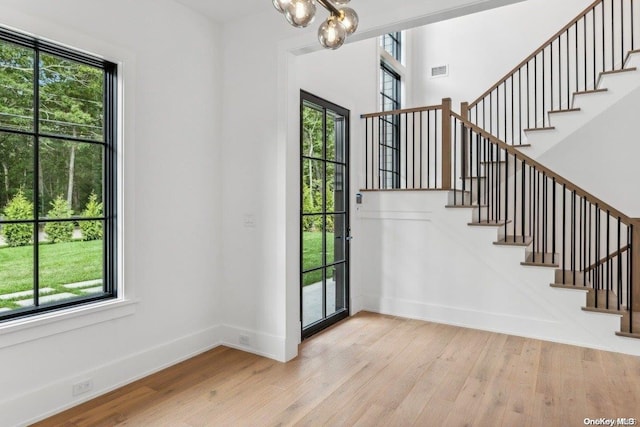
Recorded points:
(54, 398)
(47, 324)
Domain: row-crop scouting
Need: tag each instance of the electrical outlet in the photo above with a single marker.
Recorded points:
(244, 340)
(82, 387)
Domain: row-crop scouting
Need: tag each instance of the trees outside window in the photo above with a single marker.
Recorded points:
(57, 176)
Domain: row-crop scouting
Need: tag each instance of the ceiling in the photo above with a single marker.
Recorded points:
(225, 11)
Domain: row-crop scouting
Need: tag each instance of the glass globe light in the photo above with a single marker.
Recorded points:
(281, 5)
(349, 19)
(332, 33)
(300, 13)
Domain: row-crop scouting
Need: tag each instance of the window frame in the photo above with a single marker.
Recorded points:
(389, 170)
(109, 142)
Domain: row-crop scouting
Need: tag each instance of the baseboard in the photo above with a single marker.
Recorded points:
(259, 343)
(463, 317)
(56, 397)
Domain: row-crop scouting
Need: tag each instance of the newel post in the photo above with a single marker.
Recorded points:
(446, 144)
(635, 264)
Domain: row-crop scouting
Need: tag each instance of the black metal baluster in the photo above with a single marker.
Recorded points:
(535, 213)
(564, 232)
(544, 217)
(608, 278)
(455, 159)
(524, 199)
(553, 222)
(520, 106)
(366, 153)
(619, 275)
(421, 148)
(573, 236)
(535, 91)
(552, 69)
(568, 71)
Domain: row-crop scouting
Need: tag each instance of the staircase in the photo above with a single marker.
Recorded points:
(487, 159)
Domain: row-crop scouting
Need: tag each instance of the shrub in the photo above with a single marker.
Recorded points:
(18, 208)
(92, 230)
(59, 231)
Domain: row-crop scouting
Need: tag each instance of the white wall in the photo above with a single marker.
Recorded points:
(421, 260)
(482, 48)
(356, 90)
(171, 72)
(260, 152)
(602, 156)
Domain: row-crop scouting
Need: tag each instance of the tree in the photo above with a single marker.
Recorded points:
(92, 230)
(59, 231)
(70, 103)
(18, 208)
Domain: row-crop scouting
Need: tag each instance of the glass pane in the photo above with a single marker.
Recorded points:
(312, 183)
(336, 289)
(16, 90)
(71, 98)
(70, 173)
(312, 245)
(71, 268)
(16, 271)
(335, 137)
(336, 194)
(312, 132)
(312, 298)
(16, 177)
(335, 235)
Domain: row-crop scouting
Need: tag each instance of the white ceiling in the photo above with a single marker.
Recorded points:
(227, 10)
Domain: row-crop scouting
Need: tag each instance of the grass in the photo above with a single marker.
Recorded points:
(60, 264)
(312, 255)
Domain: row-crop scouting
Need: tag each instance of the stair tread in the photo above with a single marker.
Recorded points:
(465, 206)
(540, 129)
(536, 259)
(636, 323)
(622, 70)
(628, 335)
(567, 110)
(602, 300)
(576, 287)
(604, 310)
(586, 92)
(511, 240)
(491, 223)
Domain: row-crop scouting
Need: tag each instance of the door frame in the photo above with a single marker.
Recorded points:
(346, 312)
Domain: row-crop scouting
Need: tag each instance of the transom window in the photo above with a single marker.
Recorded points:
(57, 177)
(392, 43)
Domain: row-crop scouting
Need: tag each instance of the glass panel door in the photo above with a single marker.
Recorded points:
(324, 213)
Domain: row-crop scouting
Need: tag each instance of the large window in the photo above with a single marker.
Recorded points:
(57, 177)
(390, 92)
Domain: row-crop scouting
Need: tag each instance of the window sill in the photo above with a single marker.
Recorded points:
(45, 325)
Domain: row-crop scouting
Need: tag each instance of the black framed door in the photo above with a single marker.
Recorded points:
(324, 213)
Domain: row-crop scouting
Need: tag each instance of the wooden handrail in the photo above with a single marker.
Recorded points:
(607, 258)
(403, 111)
(551, 174)
(591, 7)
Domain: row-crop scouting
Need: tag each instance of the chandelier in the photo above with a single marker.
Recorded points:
(342, 21)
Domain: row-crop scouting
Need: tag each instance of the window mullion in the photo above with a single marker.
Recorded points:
(36, 177)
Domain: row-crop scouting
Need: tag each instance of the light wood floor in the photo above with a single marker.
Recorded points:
(380, 370)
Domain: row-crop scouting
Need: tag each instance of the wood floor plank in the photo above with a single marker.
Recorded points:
(380, 370)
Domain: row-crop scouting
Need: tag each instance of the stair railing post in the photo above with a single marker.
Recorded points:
(465, 161)
(446, 144)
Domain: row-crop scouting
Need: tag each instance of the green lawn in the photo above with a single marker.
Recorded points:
(60, 264)
(312, 255)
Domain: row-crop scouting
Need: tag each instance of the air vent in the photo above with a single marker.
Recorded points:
(440, 71)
